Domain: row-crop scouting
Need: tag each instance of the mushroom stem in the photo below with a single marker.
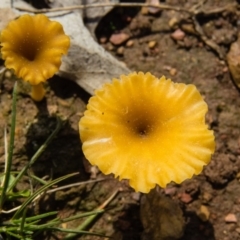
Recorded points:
(37, 92)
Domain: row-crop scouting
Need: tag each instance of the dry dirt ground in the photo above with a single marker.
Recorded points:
(210, 202)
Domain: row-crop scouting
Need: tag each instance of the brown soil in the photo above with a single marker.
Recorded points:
(188, 60)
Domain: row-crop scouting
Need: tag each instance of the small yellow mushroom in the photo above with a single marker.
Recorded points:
(33, 46)
(148, 130)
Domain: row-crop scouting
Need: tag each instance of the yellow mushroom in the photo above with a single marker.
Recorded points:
(148, 130)
(33, 46)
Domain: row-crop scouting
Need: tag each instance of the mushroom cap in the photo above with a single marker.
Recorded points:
(33, 46)
(148, 130)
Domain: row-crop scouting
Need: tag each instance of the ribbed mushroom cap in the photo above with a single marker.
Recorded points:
(33, 46)
(148, 130)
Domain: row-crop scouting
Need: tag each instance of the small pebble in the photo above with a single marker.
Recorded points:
(94, 171)
(206, 197)
(110, 47)
(166, 67)
(231, 218)
(103, 40)
(238, 175)
(178, 34)
(152, 44)
(120, 51)
(64, 225)
(136, 196)
(185, 198)
(225, 69)
(173, 71)
(119, 38)
(203, 213)
(8, 74)
(223, 63)
(237, 230)
(170, 191)
(153, 10)
(52, 109)
(189, 28)
(173, 23)
(144, 10)
(129, 43)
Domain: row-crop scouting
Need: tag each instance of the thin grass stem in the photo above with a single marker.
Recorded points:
(53, 223)
(36, 218)
(23, 221)
(10, 148)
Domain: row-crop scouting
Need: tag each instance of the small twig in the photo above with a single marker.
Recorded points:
(97, 5)
(74, 185)
(206, 40)
(194, 11)
(198, 6)
(11, 210)
(215, 11)
(2, 70)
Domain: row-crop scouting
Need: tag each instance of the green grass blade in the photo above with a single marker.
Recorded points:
(23, 221)
(43, 182)
(14, 235)
(10, 149)
(38, 192)
(36, 218)
(59, 221)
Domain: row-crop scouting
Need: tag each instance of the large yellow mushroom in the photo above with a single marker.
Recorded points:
(33, 46)
(148, 130)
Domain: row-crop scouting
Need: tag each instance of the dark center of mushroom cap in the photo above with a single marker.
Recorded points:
(142, 127)
(29, 46)
(140, 122)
